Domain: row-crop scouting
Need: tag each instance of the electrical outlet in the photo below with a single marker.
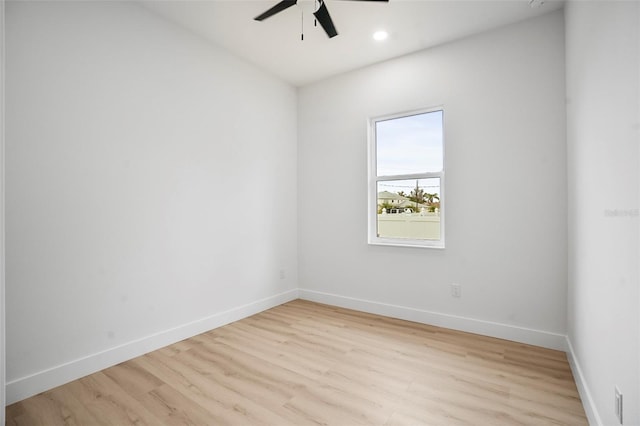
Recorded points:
(456, 290)
(618, 404)
(282, 275)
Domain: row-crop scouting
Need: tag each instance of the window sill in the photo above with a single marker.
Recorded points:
(439, 245)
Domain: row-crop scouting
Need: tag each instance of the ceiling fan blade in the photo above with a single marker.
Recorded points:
(323, 17)
(284, 4)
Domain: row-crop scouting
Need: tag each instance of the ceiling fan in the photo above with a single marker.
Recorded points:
(321, 14)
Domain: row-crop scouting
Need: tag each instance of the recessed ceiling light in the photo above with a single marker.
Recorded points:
(380, 35)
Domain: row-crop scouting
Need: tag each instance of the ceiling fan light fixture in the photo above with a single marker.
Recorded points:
(380, 35)
(321, 14)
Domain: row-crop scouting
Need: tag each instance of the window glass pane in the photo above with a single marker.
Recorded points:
(409, 209)
(408, 145)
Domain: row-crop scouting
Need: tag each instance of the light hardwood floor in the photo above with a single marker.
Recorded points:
(305, 363)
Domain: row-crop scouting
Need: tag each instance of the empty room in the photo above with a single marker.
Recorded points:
(338, 212)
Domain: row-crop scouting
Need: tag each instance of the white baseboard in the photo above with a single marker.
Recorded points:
(587, 400)
(487, 328)
(25, 387)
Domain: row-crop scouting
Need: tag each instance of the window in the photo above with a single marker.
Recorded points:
(406, 179)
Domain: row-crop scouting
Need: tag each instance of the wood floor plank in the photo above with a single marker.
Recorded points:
(304, 363)
(108, 402)
(173, 408)
(53, 408)
(222, 404)
(222, 388)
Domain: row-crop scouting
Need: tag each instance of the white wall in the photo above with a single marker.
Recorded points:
(603, 133)
(135, 154)
(503, 94)
(2, 316)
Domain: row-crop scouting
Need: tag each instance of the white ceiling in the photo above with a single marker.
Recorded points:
(275, 45)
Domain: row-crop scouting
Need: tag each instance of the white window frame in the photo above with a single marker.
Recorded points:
(373, 237)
